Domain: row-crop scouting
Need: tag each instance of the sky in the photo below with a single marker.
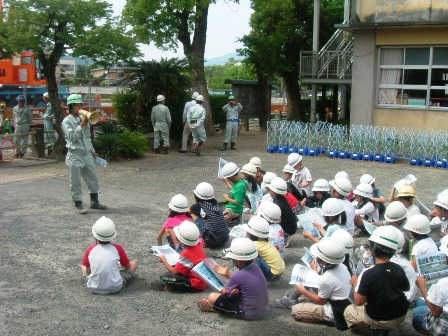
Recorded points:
(227, 22)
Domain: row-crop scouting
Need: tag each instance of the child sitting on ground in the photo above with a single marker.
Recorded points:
(298, 193)
(302, 175)
(341, 188)
(440, 214)
(180, 277)
(419, 227)
(208, 216)
(235, 198)
(366, 211)
(267, 179)
(269, 259)
(321, 192)
(406, 195)
(106, 265)
(377, 195)
(253, 192)
(272, 213)
(260, 172)
(245, 295)
(178, 207)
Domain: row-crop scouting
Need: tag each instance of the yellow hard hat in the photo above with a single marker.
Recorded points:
(407, 191)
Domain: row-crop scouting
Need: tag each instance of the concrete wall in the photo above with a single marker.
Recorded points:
(400, 11)
(364, 77)
(412, 36)
(411, 118)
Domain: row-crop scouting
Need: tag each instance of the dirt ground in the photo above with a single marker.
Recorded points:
(43, 240)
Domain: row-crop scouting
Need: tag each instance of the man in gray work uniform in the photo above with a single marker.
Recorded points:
(81, 155)
(187, 129)
(23, 117)
(232, 110)
(161, 122)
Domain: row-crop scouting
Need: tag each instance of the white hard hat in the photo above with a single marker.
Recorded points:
(249, 169)
(386, 236)
(367, 178)
(294, 158)
(288, 169)
(160, 98)
(329, 250)
(268, 177)
(364, 190)
(444, 245)
(195, 95)
(419, 224)
(395, 211)
(442, 201)
(406, 191)
(204, 190)
(341, 174)
(200, 98)
(400, 240)
(104, 229)
(345, 238)
(332, 207)
(178, 203)
(45, 95)
(257, 226)
(188, 233)
(342, 185)
(229, 169)
(278, 185)
(269, 211)
(321, 185)
(256, 161)
(242, 249)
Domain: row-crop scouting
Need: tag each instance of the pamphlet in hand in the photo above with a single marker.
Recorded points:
(304, 276)
(205, 269)
(433, 267)
(410, 179)
(221, 164)
(307, 219)
(171, 255)
(308, 258)
(237, 231)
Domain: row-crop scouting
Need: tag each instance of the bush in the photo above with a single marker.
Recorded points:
(109, 127)
(216, 104)
(108, 146)
(132, 144)
(126, 109)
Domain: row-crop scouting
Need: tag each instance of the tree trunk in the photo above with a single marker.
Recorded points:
(265, 111)
(292, 89)
(194, 51)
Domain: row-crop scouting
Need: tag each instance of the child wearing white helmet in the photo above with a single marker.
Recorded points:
(340, 189)
(334, 215)
(334, 288)
(272, 213)
(180, 277)
(321, 192)
(253, 192)
(256, 161)
(380, 302)
(235, 198)
(178, 207)
(440, 213)
(377, 195)
(366, 211)
(208, 216)
(298, 193)
(419, 228)
(346, 239)
(269, 259)
(106, 266)
(406, 195)
(267, 179)
(245, 295)
(430, 316)
(302, 175)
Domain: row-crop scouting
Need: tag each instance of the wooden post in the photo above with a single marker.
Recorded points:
(37, 142)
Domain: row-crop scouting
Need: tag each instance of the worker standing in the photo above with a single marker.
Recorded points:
(48, 122)
(161, 122)
(232, 110)
(23, 117)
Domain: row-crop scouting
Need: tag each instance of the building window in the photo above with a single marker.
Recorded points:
(413, 77)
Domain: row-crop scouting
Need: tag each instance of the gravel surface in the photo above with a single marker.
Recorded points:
(43, 239)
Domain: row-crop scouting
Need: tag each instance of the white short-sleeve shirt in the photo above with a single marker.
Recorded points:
(424, 246)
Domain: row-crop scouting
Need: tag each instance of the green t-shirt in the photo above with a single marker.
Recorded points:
(237, 193)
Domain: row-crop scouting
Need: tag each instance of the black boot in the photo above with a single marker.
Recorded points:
(224, 146)
(157, 150)
(232, 146)
(165, 150)
(197, 148)
(95, 204)
(79, 208)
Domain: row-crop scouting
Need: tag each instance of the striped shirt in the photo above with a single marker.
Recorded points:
(215, 231)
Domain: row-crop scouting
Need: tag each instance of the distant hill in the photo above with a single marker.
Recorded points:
(223, 59)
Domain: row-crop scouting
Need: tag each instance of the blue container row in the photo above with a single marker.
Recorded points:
(433, 162)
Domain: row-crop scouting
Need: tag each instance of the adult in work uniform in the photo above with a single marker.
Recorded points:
(195, 120)
(81, 155)
(23, 117)
(187, 129)
(161, 122)
(48, 122)
(232, 110)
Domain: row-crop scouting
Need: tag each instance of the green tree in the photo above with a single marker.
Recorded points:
(52, 27)
(167, 22)
(217, 74)
(285, 28)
